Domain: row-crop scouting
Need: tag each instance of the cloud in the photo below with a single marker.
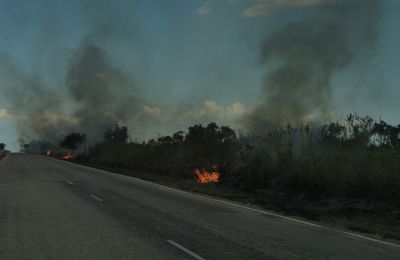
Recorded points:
(261, 7)
(56, 118)
(152, 114)
(257, 9)
(4, 113)
(211, 111)
(152, 121)
(297, 2)
(204, 9)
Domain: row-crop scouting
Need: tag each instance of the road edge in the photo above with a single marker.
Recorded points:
(251, 207)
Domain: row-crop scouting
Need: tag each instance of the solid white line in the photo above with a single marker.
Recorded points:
(290, 219)
(131, 178)
(96, 198)
(70, 182)
(313, 225)
(187, 251)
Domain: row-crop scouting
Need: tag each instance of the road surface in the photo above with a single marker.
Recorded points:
(51, 209)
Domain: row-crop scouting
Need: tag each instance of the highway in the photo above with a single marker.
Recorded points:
(51, 209)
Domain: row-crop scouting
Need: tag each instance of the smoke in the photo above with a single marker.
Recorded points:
(99, 82)
(98, 96)
(34, 109)
(95, 93)
(103, 94)
(309, 52)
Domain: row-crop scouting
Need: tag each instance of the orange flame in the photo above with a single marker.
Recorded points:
(204, 176)
(69, 155)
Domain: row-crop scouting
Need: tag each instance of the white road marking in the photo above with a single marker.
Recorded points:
(96, 198)
(312, 224)
(135, 179)
(70, 182)
(184, 249)
(350, 234)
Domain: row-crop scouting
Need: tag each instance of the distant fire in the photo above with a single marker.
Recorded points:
(204, 176)
(69, 155)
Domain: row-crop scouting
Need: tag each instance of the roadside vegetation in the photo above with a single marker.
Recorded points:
(348, 171)
(3, 151)
(359, 159)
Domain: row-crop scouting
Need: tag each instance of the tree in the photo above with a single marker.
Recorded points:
(333, 134)
(388, 135)
(37, 146)
(116, 134)
(227, 134)
(165, 140)
(73, 141)
(360, 130)
(2, 146)
(178, 137)
(196, 134)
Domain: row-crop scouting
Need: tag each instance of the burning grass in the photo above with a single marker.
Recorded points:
(65, 155)
(203, 176)
(70, 155)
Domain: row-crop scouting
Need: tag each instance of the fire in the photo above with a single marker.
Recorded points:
(204, 176)
(69, 155)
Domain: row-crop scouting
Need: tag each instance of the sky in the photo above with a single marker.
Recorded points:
(183, 61)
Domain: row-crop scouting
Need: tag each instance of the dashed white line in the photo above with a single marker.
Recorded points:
(184, 249)
(70, 182)
(96, 198)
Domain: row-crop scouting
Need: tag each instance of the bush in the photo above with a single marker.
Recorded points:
(358, 159)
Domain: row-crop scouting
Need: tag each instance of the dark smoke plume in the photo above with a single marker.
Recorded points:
(102, 93)
(98, 96)
(95, 94)
(309, 52)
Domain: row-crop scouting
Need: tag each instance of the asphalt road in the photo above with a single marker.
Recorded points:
(52, 209)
